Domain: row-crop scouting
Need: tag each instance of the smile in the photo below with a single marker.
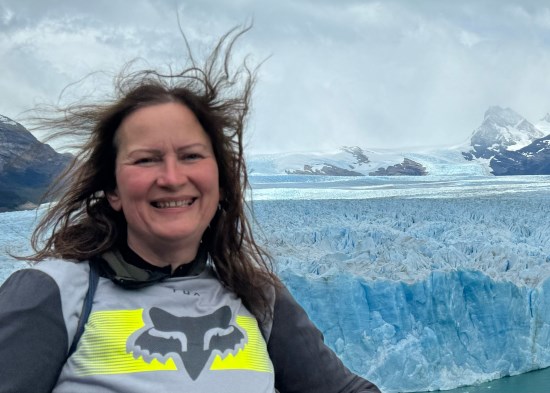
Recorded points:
(169, 204)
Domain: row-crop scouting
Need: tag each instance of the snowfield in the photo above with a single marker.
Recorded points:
(417, 283)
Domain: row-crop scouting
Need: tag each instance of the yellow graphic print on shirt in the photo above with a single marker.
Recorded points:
(119, 342)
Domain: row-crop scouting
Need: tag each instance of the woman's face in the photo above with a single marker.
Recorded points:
(166, 179)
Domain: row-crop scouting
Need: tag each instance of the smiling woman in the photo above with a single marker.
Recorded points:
(148, 275)
(167, 183)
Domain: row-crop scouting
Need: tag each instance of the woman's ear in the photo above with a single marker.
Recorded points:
(114, 200)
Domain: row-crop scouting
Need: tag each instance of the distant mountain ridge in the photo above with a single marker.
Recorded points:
(504, 144)
(385, 162)
(27, 166)
(533, 159)
(512, 144)
(502, 129)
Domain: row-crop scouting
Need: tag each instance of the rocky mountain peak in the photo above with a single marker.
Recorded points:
(503, 117)
(358, 153)
(502, 129)
(544, 124)
(27, 166)
(13, 136)
(7, 121)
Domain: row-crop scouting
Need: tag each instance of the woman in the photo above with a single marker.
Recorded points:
(154, 206)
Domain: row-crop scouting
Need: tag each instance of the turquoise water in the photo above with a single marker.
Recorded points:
(533, 382)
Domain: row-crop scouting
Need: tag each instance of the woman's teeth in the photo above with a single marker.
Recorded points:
(168, 204)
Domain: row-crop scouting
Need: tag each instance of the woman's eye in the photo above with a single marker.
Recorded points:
(192, 156)
(144, 160)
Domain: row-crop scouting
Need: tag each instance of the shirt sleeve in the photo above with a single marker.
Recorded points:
(33, 337)
(302, 361)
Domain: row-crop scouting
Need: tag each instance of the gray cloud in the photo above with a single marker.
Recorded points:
(368, 73)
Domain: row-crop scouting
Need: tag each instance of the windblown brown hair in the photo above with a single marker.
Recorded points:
(82, 224)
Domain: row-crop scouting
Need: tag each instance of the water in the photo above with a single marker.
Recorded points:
(533, 382)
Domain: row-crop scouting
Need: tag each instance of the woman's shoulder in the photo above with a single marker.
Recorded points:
(54, 271)
(70, 278)
(62, 270)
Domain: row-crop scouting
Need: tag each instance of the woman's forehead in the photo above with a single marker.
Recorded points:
(160, 125)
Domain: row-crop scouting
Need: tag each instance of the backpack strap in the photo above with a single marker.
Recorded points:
(93, 280)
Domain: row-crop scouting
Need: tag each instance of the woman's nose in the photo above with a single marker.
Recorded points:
(171, 174)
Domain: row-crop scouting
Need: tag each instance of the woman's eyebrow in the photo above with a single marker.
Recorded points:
(140, 150)
(192, 145)
(157, 151)
(202, 147)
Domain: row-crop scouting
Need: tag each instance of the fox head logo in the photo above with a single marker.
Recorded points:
(191, 339)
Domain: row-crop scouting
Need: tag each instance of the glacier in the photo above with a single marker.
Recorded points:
(417, 283)
(438, 161)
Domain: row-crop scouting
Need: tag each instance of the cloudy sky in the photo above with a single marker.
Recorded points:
(377, 74)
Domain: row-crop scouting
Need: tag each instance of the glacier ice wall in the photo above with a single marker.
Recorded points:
(421, 294)
(450, 329)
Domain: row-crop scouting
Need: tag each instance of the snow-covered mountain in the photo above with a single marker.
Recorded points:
(511, 145)
(533, 159)
(544, 124)
(502, 129)
(382, 162)
(504, 144)
(348, 161)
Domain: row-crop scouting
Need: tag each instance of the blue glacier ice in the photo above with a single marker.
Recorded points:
(450, 329)
(417, 284)
(441, 284)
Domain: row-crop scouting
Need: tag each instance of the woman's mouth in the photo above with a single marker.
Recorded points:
(171, 204)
